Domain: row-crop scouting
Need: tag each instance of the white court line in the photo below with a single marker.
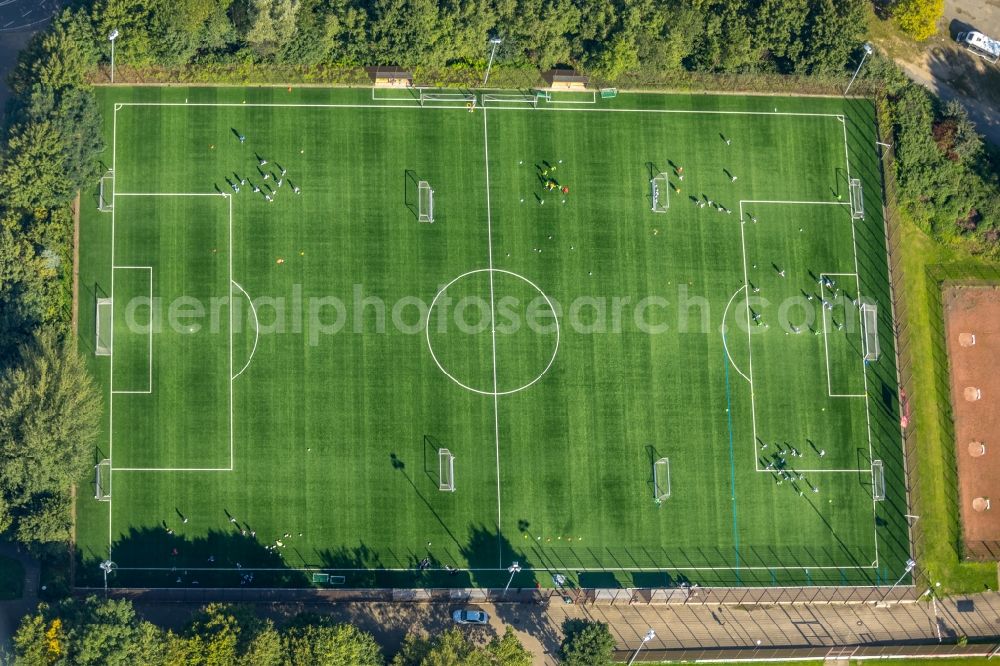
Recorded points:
(826, 343)
(256, 331)
(149, 376)
(492, 108)
(111, 416)
(853, 567)
(493, 328)
(724, 345)
(173, 469)
(868, 413)
(496, 413)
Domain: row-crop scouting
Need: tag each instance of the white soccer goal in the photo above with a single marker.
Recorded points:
(661, 480)
(106, 195)
(467, 100)
(103, 325)
(869, 326)
(878, 480)
(660, 193)
(102, 481)
(446, 471)
(425, 202)
(857, 200)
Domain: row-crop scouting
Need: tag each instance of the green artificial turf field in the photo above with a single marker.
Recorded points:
(283, 374)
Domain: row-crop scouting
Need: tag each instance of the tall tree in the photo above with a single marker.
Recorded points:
(49, 423)
(586, 643)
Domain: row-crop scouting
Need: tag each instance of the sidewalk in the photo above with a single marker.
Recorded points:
(693, 625)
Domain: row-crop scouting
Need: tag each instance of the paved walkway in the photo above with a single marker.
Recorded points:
(691, 625)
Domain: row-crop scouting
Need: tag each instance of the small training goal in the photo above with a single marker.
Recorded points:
(102, 481)
(103, 324)
(661, 480)
(446, 471)
(106, 193)
(869, 329)
(425, 202)
(660, 193)
(857, 200)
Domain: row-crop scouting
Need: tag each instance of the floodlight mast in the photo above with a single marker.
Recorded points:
(514, 569)
(495, 42)
(112, 36)
(868, 51)
(650, 635)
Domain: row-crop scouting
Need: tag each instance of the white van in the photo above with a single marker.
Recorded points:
(981, 45)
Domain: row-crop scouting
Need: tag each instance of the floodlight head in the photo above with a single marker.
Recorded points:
(107, 566)
(495, 40)
(868, 48)
(650, 635)
(910, 564)
(113, 35)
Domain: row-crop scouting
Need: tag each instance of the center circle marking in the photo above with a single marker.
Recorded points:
(430, 345)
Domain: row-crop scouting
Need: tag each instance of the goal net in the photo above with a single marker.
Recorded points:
(857, 200)
(106, 194)
(103, 323)
(102, 480)
(869, 326)
(446, 470)
(466, 100)
(425, 202)
(878, 480)
(661, 480)
(660, 193)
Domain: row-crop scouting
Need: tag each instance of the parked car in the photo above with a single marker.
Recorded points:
(470, 616)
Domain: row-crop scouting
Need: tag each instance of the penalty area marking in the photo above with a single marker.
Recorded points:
(491, 271)
(256, 328)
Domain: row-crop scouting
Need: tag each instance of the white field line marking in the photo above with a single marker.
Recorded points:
(256, 329)
(723, 331)
(868, 415)
(111, 395)
(437, 362)
(149, 376)
(826, 344)
(746, 285)
(173, 194)
(173, 469)
(232, 460)
(530, 568)
(493, 329)
(492, 108)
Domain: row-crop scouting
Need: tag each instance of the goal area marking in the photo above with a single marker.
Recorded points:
(659, 193)
(446, 470)
(661, 480)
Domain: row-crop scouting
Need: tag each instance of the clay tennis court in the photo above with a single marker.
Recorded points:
(972, 318)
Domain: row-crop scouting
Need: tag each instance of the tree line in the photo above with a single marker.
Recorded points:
(109, 632)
